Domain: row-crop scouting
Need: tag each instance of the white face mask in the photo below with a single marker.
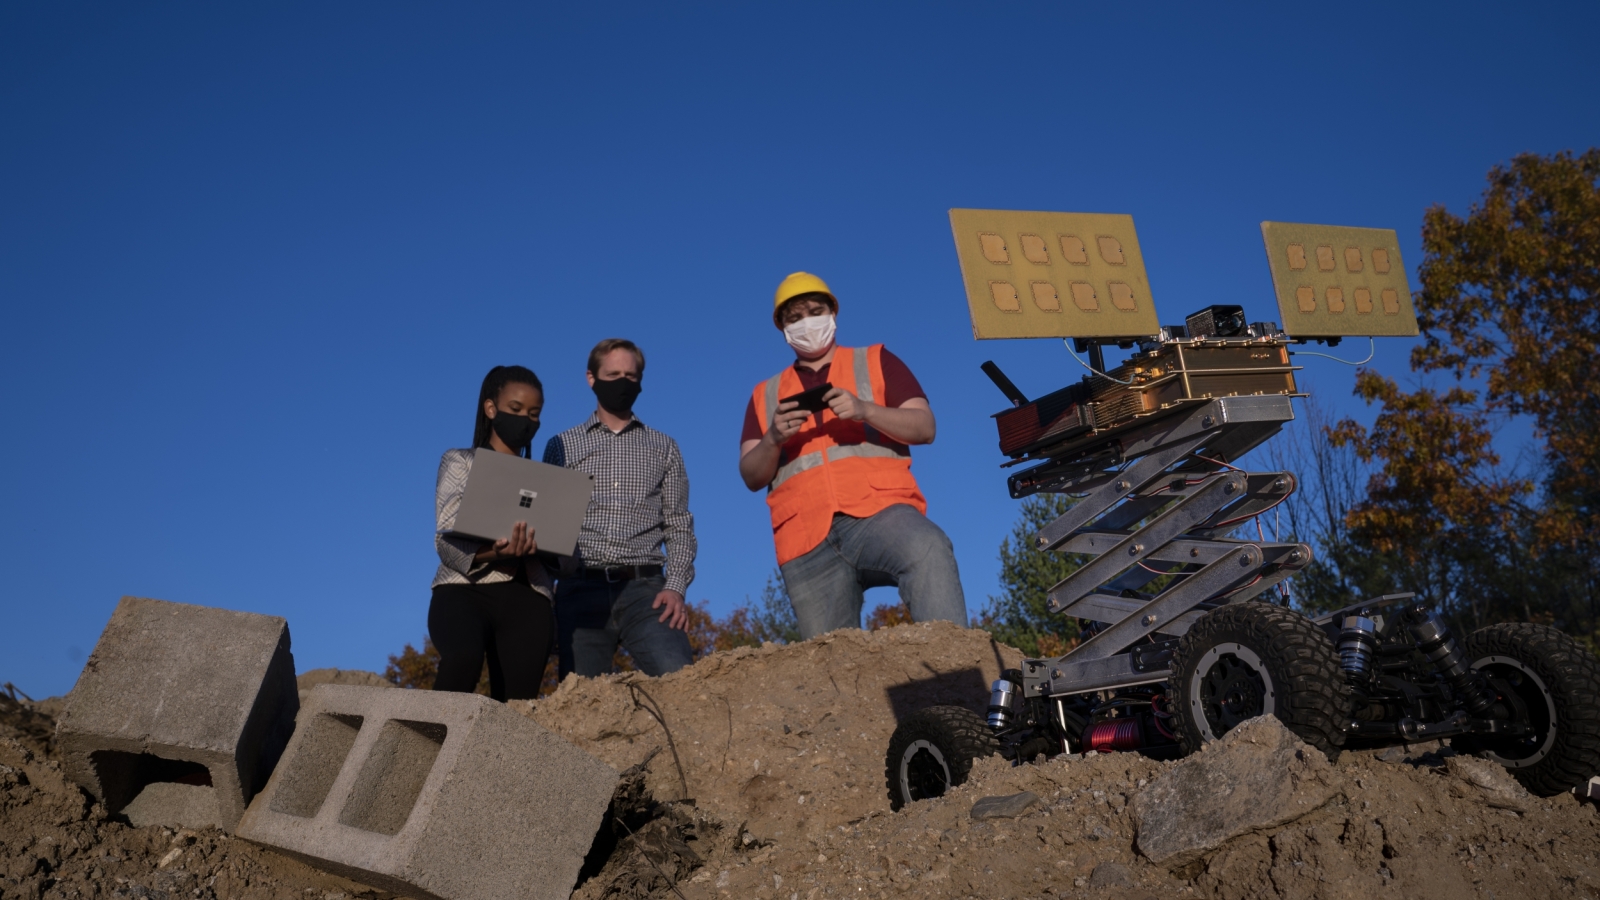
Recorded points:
(810, 337)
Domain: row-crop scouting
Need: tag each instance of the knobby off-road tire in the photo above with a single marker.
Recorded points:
(1557, 683)
(1249, 659)
(933, 750)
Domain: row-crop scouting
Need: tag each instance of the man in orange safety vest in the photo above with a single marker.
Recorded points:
(846, 512)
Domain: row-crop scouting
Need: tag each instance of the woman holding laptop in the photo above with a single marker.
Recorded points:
(491, 599)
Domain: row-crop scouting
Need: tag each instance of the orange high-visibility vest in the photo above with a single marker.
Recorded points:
(833, 466)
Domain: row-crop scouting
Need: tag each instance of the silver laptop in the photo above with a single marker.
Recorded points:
(503, 490)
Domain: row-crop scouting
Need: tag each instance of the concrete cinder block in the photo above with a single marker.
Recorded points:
(180, 712)
(432, 795)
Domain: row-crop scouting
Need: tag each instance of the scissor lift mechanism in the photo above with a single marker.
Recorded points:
(1181, 457)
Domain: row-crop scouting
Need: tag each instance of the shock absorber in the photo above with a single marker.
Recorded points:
(1436, 643)
(1000, 698)
(1357, 643)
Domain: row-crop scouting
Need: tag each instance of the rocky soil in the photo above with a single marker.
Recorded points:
(758, 773)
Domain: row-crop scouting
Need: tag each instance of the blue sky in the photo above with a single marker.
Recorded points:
(254, 261)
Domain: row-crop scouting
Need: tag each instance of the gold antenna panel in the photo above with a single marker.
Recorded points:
(1334, 281)
(1052, 274)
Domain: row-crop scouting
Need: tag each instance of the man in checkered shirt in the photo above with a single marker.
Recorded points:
(636, 550)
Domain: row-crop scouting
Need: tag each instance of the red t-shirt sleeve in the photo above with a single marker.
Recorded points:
(899, 385)
(753, 429)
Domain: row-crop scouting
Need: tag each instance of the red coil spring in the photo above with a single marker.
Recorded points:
(1116, 734)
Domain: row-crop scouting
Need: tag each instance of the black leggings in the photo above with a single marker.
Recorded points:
(508, 621)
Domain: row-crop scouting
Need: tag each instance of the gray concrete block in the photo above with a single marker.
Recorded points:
(432, 795)
(180, 696)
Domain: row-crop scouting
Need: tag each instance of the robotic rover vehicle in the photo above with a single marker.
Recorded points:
(1180, 645)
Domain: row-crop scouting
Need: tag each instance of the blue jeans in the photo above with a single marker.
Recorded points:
(898, 546)
(593, 616)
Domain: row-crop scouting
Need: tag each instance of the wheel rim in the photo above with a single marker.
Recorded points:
(1529, 688)
(1230, 685)
(924, 774)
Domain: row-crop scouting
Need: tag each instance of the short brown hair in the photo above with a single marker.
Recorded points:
(819, 296)
(609, 344)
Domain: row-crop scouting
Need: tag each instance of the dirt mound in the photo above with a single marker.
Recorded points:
(305, 681)
(1414, 830)
(767, 782)
(789, 739)
(790, 742)
(32, 724)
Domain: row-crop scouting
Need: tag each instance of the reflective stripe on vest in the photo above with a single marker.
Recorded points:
(795, 466)
(812, 460)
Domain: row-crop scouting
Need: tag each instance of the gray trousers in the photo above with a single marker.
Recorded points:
(898, 546)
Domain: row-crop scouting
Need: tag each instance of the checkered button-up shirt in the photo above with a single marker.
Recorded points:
(640, 501)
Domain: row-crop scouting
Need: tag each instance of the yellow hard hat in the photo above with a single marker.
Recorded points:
(796, 284)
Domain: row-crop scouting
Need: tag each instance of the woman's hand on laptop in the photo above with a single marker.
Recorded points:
(520, 543)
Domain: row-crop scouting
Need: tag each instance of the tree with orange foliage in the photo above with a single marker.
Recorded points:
(767, 620)
(413, 668)
(1438, 513)
(888, 615)
(1511, 294)
(1510, 310)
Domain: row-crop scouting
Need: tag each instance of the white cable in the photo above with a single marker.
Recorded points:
(1067, 342)
(1370, 351)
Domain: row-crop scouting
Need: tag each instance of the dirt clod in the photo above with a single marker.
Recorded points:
(1111, 875)
(1007, 807)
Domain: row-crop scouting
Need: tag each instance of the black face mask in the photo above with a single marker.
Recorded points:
(517, 431)
(617, 395)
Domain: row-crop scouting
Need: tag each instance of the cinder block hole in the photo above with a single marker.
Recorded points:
(310, 774)
(391, 779)
(123, 775)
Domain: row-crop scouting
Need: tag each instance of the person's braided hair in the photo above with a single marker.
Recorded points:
(493, 384)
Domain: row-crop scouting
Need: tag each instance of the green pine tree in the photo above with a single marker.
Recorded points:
(1018, 616)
